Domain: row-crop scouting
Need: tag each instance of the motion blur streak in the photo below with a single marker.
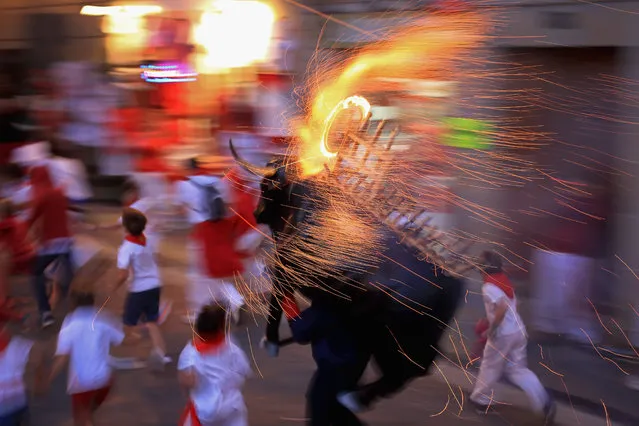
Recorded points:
(423, 49)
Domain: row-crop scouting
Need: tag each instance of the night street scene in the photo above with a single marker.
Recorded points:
(322, 213)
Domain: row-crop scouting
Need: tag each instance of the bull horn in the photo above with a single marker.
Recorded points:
(256, 170)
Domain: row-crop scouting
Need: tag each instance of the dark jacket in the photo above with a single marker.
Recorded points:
(331, 334)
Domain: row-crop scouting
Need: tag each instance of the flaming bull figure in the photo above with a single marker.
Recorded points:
(381, 282)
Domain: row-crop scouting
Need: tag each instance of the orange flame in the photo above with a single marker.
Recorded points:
(425, 49)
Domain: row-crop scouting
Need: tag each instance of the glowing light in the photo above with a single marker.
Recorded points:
(350, 102)
(121, 19)
(427, 49)
(167, 74)
(116, 10)
(234, 34)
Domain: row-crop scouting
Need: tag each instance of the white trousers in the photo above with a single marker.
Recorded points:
(240, 419)
(202, 290)
(506, 356)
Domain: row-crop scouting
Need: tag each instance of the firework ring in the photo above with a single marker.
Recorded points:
(352, 101)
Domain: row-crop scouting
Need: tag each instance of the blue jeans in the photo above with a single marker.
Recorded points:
(17, 418)
(41, 263)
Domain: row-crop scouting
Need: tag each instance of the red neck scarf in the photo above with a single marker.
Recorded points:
(139, 240)
(210, 344)
(501, 281)
(132, 201)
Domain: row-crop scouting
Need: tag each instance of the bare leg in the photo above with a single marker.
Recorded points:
(156, 337)
(131, 336)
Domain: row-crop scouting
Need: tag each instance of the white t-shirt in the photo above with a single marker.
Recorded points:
(219, 379)
(192, 196)
(140, 261)
(13, 362)
(512, 322)
(86, 337)
(71, 176)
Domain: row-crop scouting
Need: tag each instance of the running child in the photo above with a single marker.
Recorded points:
(505, 352)
(152, 208)
(15, 355)
(213, 370)
(84, 342)
(137, 266)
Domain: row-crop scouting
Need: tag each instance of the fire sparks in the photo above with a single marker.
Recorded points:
(424, 50)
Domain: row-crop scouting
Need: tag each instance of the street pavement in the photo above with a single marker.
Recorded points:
(276, 394)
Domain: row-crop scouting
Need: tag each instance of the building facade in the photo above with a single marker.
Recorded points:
(561, 81)
(565, 83)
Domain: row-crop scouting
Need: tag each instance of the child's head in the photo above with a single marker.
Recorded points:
(82, 299)
(7, 208)
(211, 321)
(130, 192)
(134, 221)
(490, 262)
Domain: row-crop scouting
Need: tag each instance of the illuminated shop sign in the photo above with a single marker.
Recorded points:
(168, 73)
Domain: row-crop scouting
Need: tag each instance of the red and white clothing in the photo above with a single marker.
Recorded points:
(13, 363)
(497, 288)
(137, 257)
(250, 235)
(220, 370)
(68, 174)
(214, 263)
(152, 207)
(505, 351)
(86, 337)
(49, 214)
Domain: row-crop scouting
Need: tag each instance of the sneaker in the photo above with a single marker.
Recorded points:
(351, 401)
(550, 411)
(126, 363)
(157, 360)
(272, 349)
(47, 320)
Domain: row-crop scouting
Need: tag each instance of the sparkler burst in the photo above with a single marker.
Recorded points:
(367, 177)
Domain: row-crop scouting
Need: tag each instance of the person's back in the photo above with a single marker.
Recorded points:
(213, 369)
(220, 375)
(50, 207)
(138, 257)
(13, 361)
(86, 337)
(84, 342)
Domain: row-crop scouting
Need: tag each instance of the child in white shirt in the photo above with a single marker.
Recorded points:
(152, 208)
(213, 370)
(15, 354)
(505, 350)
(136, 264)
(84, 343)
